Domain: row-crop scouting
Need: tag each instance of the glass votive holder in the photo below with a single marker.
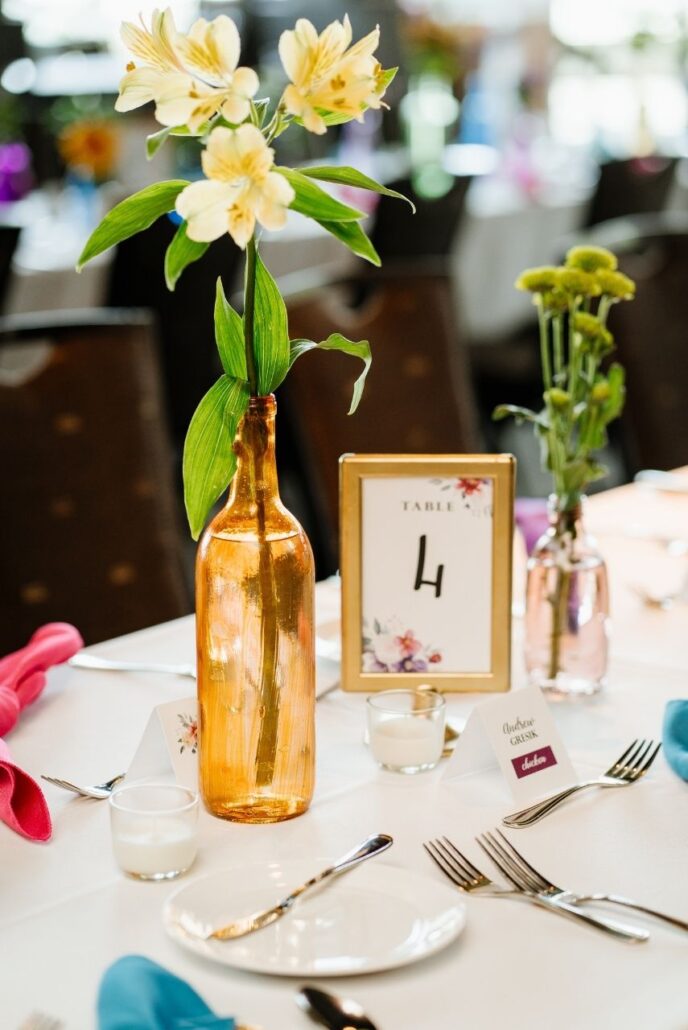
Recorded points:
(406, 729)
(154, 829)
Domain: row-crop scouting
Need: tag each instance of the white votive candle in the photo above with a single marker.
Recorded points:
(406, 729)
(154, 830)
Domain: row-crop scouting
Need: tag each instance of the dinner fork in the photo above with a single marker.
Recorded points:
(467, 877)
(98, 791)
(535, 881)
(627, 769)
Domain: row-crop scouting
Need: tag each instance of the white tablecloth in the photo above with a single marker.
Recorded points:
(66, 912)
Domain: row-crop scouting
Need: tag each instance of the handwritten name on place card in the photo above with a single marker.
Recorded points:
(518, 733)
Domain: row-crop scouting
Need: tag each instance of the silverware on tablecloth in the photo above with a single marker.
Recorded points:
(628, 769)
(464, 875)
(532, 880)
(91, 661)
(331, 1011)
(98, 791)
(374, 845)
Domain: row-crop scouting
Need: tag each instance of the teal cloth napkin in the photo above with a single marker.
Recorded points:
(675, 737)
(137, 994)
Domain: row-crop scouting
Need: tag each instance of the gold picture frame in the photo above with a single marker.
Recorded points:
(378, 480)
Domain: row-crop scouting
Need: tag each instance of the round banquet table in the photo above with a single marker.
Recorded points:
(66, 912)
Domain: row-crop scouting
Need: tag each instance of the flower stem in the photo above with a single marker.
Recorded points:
(544, 348)
(249, 313)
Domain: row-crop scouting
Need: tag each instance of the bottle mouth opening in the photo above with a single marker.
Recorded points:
(264, 405)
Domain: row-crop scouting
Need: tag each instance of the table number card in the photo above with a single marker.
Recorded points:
(517, 733)
(426, 571)
(169, 744)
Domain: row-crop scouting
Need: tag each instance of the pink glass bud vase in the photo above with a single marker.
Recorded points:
(567, 608)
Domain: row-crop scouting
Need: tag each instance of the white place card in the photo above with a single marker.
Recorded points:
(516, 732)
(169, 745)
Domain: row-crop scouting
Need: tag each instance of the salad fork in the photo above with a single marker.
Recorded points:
(464, 875)
(627, 769)
(98, 792)
(535, 881)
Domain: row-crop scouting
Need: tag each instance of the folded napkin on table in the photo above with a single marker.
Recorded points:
(136, 992)
(22, 678)
(22, 673)
(675, 737)
(22, 805)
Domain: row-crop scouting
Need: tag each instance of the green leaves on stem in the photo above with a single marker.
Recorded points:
(181, 252)
(336, 341)
(131, 216)
(209, 460)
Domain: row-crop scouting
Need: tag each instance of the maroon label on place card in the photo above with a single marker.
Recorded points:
(533, 761)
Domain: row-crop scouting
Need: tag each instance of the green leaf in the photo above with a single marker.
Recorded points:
(353, 237)
(520, 414)
(315, 202)
(270, 334)
(336, 341)
(209, 459)
(156, 140)
(387, 76)
(229, 335)
(131, 216)
(181, 252)
(352, 177)
(617, 392)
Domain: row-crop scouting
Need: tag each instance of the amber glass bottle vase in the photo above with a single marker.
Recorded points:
(255, 640)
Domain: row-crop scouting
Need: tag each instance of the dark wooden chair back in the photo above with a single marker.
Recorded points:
(638, 185)
(398, 234)
(418, 397)
(9, 237)
(652, 337)
(184, 317)
(90, 527)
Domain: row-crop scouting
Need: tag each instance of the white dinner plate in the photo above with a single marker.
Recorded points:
(369, 919)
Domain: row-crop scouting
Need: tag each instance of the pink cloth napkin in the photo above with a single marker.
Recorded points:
(22, 678)
(22, 805)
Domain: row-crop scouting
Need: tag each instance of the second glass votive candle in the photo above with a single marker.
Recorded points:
(406, 729)
(154, 829)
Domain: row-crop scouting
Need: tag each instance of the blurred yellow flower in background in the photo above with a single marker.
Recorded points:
(239, 190)
(89, 147)
(326, 77)
(192, 76)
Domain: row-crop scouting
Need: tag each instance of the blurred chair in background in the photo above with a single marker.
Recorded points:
(190, 362)
(418, 396)
(9, 237)
(91, 530)
(398, 234)
(652, 336)
(637, 185)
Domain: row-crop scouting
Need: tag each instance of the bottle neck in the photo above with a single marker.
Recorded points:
(565, 521)
(255, 479)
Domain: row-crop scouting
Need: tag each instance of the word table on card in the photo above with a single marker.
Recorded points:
(426, 546)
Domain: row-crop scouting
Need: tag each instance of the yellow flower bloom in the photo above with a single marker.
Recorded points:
(538, 280)
(239, 190)
(91, 146)
(210, 52)
(326, 77)
(190, 77)
(155, 48)
(616, 284)
(590, 259)
(578, 283)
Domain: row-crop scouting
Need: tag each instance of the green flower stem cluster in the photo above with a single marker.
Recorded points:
(581, 396)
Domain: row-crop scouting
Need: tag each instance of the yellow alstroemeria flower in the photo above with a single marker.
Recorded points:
(325, 76)
(210, 52)
(155, 48)
(190, 77)
(239, 190)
